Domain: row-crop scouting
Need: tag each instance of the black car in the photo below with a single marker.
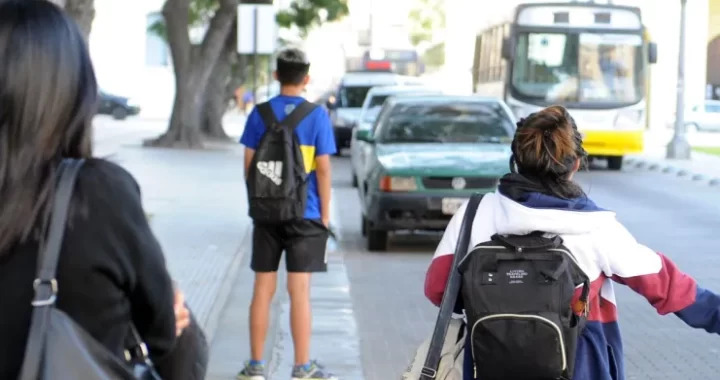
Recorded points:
(119, 107)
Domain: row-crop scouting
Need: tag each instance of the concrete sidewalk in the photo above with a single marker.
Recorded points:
(702, 167)
(198, 204)
(334, 343)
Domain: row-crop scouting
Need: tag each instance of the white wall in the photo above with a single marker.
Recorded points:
(118, 51)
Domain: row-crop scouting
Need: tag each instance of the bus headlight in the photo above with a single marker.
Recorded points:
(629, 119)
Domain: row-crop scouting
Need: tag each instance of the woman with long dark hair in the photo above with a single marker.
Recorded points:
(540, 195)
(111, 270)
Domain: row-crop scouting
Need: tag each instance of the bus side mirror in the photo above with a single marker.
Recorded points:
(507, 51)
(652, 53)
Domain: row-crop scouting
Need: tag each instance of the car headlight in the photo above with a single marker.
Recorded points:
(389, 183)
(133, 103)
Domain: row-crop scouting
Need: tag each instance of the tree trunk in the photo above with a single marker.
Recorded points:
(219, 90)
(82, 11)
(193, 67)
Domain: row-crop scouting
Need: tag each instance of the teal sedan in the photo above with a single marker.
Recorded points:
(425, 156)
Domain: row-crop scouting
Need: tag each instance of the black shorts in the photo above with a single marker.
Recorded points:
(304, 241)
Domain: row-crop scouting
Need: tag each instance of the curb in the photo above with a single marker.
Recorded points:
(670, 169)
(212, 322)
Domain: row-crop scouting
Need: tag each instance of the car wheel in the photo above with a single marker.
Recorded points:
(615, 162)
(363, 226)
(377, 240)
(119, 113)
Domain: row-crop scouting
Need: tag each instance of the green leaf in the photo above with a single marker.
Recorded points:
(201, 11)
(305, 14)
(158, 28)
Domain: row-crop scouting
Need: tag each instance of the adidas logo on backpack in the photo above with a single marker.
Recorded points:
(272, 170)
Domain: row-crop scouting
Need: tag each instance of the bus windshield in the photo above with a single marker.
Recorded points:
(579, 68)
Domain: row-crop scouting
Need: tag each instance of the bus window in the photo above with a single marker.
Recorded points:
(611, 68)
(546, 67)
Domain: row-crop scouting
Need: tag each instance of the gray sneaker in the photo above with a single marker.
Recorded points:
(314, 372)
(252, 372)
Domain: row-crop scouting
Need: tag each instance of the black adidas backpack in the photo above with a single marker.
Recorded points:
(517, 293)
(277, 180)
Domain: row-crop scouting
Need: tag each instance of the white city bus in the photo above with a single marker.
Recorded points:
(590, 58)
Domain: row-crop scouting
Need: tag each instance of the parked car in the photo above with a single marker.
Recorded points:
(119, 107)
(427, 155)
(703, 117)
(345, 106)
(374, 101)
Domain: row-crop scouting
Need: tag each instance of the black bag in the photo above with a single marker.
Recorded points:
(57, 347)
(450, 296)
(518, 292)
(277, 180)
(188, 359)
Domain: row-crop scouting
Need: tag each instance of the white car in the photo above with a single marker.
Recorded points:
(346, 106)
(703, 117)
(368, 114)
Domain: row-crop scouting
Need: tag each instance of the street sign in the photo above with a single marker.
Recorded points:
(257, 29)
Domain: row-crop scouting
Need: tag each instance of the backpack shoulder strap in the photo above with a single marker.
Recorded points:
(298, 114)
(452, 290)
(267, 114)
(45, 284)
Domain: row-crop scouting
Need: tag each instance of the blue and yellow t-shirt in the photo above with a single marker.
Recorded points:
(314, 133)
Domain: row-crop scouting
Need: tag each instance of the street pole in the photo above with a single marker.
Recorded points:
(679, 147)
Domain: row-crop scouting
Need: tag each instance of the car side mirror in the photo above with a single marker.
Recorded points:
(652, 53)
(507, 49)
(365, 135)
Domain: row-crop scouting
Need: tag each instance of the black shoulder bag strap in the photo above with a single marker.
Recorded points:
(291, 121)
(267, 114)
(298, 114)
(46, 286)
(452, 290)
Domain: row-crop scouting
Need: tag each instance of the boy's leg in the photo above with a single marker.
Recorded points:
(266, 251)
(306, 244)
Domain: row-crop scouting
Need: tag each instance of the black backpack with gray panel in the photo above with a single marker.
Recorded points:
(518, 292)
(277, 180)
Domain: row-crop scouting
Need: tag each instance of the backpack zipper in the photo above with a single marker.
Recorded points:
(519, 316)
(563, 251)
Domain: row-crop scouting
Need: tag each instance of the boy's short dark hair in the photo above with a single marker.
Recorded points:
(292, 66)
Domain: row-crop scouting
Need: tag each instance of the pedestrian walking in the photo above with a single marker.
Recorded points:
(538, 282)
(289, 201)
(83, 281)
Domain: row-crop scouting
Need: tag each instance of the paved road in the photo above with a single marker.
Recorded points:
(677, 217)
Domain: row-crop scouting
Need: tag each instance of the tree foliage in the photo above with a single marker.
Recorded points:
(307, 14)
(426, 17)
(302, 14)
(200, 14)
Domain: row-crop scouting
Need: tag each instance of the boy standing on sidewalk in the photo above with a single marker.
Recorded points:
(289, 192)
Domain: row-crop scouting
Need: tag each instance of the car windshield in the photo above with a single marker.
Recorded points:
(446, 122)
(579, 68)
(353, 96)
(377, 100)
(371, 114)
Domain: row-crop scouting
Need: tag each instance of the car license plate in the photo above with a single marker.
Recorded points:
(451, 205)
